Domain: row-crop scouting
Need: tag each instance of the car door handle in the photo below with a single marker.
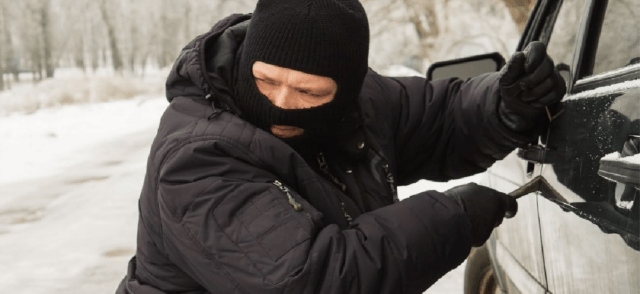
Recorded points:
(623, 167)
(537, 154)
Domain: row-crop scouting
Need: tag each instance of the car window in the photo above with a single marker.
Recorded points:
(618, 45)
(565, 33)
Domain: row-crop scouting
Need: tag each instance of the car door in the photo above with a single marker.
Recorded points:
(589, 216)
(516, 245)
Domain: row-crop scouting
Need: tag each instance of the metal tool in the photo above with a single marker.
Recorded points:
(530, 187)
(537, 184)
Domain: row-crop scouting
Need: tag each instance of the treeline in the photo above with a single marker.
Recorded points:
(426, 31)
(38, 36)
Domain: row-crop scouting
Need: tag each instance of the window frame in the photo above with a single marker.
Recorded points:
(540, 27)
(584, 60)
(543, 24)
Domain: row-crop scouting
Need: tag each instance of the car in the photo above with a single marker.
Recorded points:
(580, 231)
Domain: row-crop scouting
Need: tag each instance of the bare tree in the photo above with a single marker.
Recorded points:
(30, 36)
(72, 20)
(3, 59)
(116, 59)
(11, 62)
(36, 37)
(124, 34)
(44, 10)
(520, 10)
(420, 15)
(94, 44)
(423, 17)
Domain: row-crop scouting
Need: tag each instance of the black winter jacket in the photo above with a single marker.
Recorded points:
(229, 208)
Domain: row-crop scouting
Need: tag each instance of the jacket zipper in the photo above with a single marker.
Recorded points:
(295, 204)
(390, 181)
(324, 167)
(346, 215)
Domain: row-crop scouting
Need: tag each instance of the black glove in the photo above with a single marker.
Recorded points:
(485, 207)
(528, 84)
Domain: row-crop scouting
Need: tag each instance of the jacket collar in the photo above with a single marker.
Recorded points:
(205, 66)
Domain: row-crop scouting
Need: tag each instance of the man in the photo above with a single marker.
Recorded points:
(275, 166)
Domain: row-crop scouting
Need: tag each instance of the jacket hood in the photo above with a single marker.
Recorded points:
(205, 67)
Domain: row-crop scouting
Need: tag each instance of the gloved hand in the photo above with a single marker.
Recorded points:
(528, 83)
(485, 207)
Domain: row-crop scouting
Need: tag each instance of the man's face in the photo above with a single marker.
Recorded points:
(292, 89)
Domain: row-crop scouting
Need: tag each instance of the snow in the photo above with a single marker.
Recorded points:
(608, 74)
(634, 159)
(42, 143)
(69, 182)
(424, 185)
(70, 178)
(615, 156)
(71, 86)
(612, 156)
(611, 89)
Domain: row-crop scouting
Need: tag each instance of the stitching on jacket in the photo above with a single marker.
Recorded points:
(240, 135)
(224, 128)
(242, 211)
(212, 257)
(199, 194)
(240, 249)
(272, 228)
(206, 138)
(244, 253)
(252, 136)
(261, 237)
(289, 250)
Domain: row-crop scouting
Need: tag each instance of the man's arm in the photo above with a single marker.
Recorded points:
(246, 236)
(445, 129)
(449, 128)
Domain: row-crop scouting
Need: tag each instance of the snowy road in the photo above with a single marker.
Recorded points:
(68, 196)
(74, 232)
(69, 183)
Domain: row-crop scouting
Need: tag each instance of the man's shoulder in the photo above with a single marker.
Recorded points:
(380, 97)
(380, 89)
(190, 122)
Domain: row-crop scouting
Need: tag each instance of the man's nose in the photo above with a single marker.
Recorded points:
(282, 98)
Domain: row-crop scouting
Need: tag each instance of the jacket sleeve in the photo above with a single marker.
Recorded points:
(446, 129)
(238, 236)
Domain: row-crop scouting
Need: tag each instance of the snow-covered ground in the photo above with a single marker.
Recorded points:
(70, 177)
(69, 183)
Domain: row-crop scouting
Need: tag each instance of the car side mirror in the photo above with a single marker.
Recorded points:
(467, 67)
(623, 167)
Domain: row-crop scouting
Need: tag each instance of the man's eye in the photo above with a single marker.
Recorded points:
(310, 93)
(268, 82)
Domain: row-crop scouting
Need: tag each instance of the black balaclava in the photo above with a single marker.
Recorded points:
(329, 38)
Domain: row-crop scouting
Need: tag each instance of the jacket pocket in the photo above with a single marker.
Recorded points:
(268, 235)
(271, 224)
